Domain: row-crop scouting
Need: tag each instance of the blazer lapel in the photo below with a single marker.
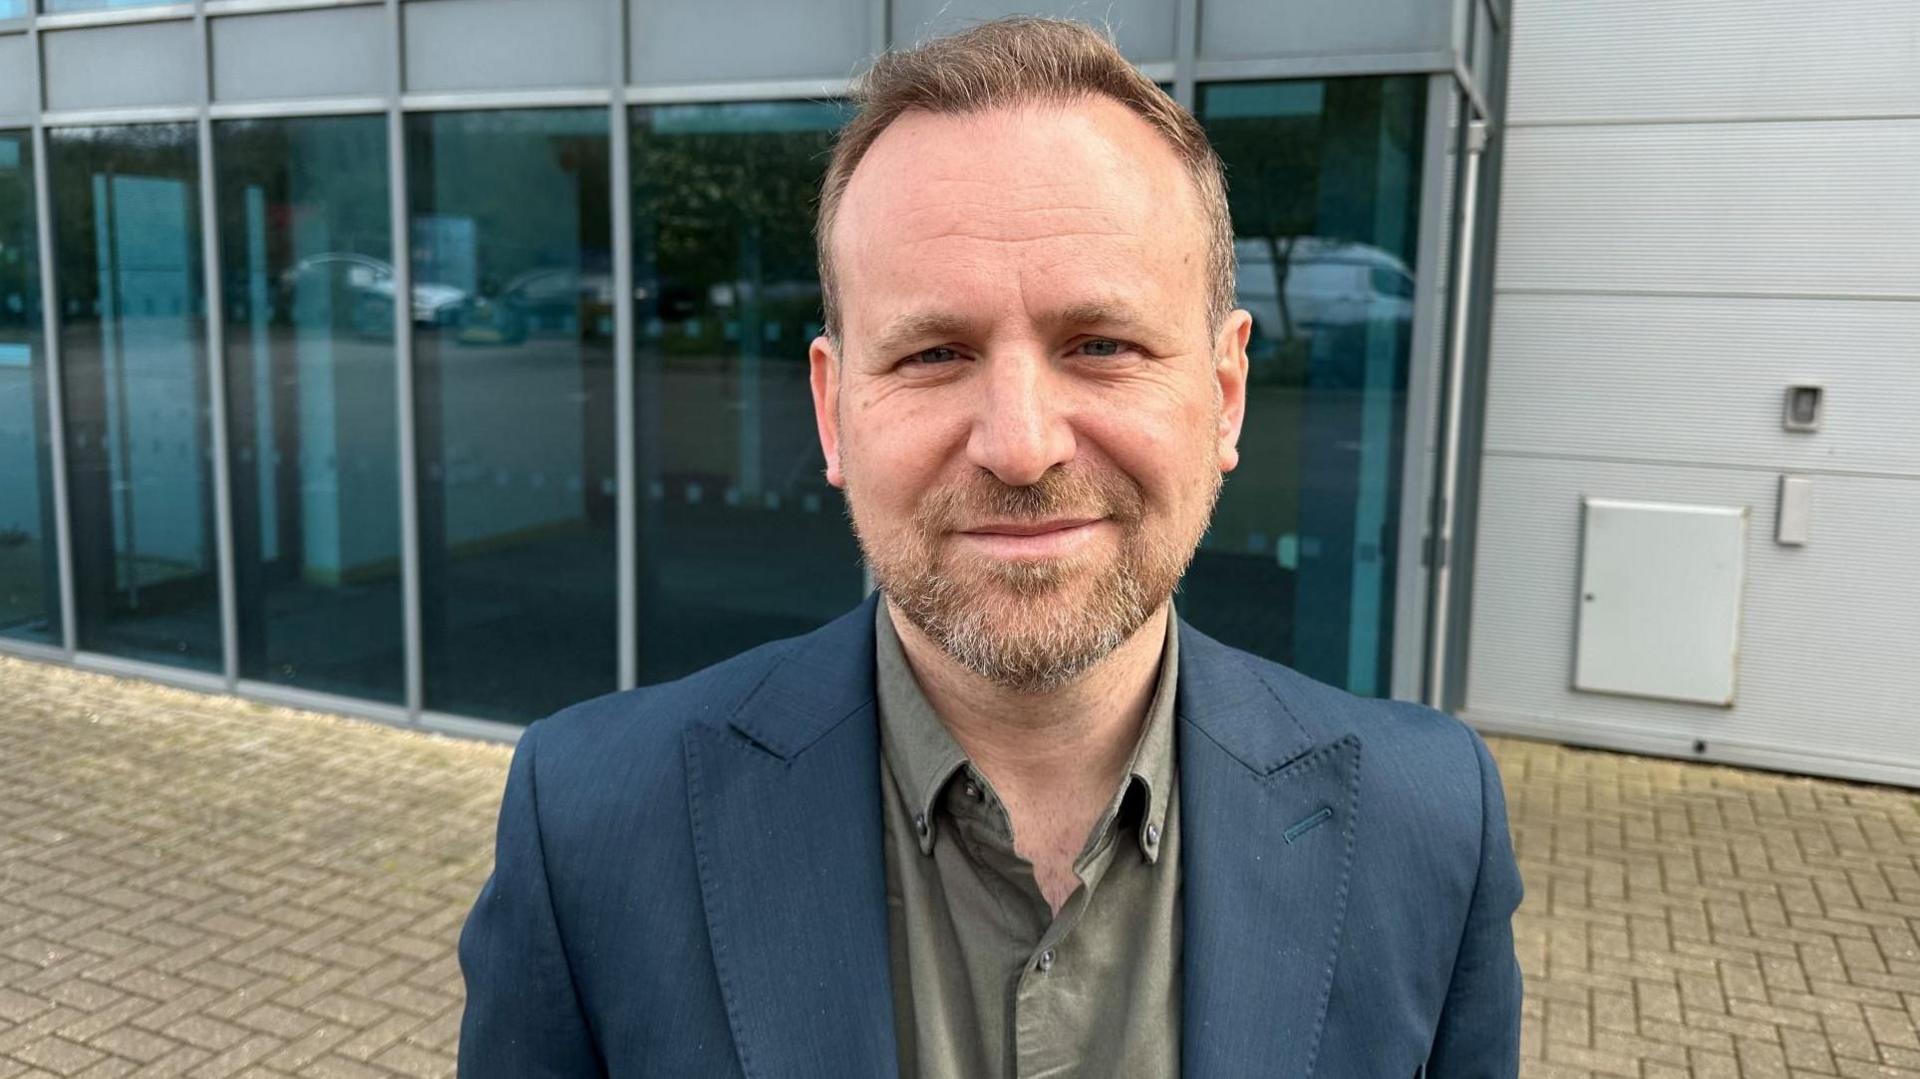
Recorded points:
(785, 804)
(1266, 838)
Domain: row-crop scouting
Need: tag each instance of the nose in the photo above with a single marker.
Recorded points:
(1020, 428)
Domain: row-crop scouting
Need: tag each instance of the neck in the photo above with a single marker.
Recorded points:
(1073, 740)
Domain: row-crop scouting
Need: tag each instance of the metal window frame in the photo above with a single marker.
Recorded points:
(1186, 71)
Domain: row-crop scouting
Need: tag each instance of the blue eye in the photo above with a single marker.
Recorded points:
(941, 354)
(1101, 346)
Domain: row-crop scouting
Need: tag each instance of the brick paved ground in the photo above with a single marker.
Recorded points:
(1691, 920)
(195, 885)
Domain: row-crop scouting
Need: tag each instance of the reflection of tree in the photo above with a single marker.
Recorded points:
(1272, 187)
(727, 210)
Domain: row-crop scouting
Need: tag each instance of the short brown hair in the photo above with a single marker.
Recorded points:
(1011, 61)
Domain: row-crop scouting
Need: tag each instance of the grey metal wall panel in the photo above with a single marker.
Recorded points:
(1576, 59)
(105, 67)
(331, 52)
(693, 41)
(505, 44)
(1144, 29)
(1698, 380)
(1703, 204)
(1830, 631)
(18, 96)
(1775, 207)
(1242, 29)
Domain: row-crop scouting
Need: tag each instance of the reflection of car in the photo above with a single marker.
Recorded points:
(1330, 285)
(552, 300)
(365, 286)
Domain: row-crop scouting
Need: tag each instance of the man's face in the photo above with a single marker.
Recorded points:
(1025, 405)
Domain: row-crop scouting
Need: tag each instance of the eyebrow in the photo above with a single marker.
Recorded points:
(921, 325)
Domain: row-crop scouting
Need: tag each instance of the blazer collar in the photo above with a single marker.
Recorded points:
(784, 800)
(1267, 828)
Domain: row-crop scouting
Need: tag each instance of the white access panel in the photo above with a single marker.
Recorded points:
(1660, 588)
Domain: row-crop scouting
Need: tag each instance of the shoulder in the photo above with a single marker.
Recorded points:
(1416, 760)
(648, 723)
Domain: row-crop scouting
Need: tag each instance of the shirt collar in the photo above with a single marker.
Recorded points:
(924, 756)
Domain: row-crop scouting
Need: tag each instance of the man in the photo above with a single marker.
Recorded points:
(1010, 817)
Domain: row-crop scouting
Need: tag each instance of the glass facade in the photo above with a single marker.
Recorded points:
(399, 480)
(29, 571)
(1325, 193)
(127, 252)
(308, 301)
(726, 300)
(512, 314)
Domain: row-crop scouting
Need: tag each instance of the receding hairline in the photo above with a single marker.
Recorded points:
(1190, 193)
(1015, 62)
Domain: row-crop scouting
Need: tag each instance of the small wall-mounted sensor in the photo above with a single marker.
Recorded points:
(1803, 408)
(1796, 511)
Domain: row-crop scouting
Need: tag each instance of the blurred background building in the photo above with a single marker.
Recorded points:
(444, 361)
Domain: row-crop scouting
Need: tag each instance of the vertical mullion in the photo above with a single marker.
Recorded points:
(216, 361)
(50, 350)
(1186, 50)
(1412, 571)
(403, 369)
(626, 505)
(50, 345)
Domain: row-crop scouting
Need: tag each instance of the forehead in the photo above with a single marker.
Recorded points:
(1043, 196)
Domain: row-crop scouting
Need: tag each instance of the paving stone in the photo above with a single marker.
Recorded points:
(203, 886)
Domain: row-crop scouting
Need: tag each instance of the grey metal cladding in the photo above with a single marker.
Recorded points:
(1700, 380)
(1144, 29)
(1243, 29)
(107, 67)
(1798, 207)
(506, 44)
(1825, 667)
(677, 42)
(329, 52)
(17, 95)
(1649, 59)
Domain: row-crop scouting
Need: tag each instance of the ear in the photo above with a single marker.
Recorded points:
(1230, 370)
(824, 374)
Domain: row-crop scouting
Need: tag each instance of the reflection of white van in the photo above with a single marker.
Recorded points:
(1329, 284)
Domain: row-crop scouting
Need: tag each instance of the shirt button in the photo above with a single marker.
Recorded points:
(973, 790)
(1153, 834)
(1046, 961)
(920, 824)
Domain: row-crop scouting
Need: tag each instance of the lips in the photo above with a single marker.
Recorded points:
(1028, 528)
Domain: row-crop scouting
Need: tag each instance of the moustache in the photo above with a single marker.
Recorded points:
(1058, 493)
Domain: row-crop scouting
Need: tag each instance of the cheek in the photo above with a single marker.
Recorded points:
(1170, 451)
(892, 453)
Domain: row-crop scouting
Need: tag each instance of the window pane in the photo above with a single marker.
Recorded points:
(1299, 564)
(29, 572)
(127, 234)
(58, 7)
(513, 326)
(308, 288)
(741, 538)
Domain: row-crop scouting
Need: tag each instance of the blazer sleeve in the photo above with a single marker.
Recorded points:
(523, 1015)
(1479, 1031)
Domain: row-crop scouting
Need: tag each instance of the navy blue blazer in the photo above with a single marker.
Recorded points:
(689, 881)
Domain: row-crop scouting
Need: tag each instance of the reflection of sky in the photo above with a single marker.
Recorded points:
(746, 117)
(1234, 101)
(52, 7)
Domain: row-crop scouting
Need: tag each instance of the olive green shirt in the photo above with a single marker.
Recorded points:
(987, 982)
